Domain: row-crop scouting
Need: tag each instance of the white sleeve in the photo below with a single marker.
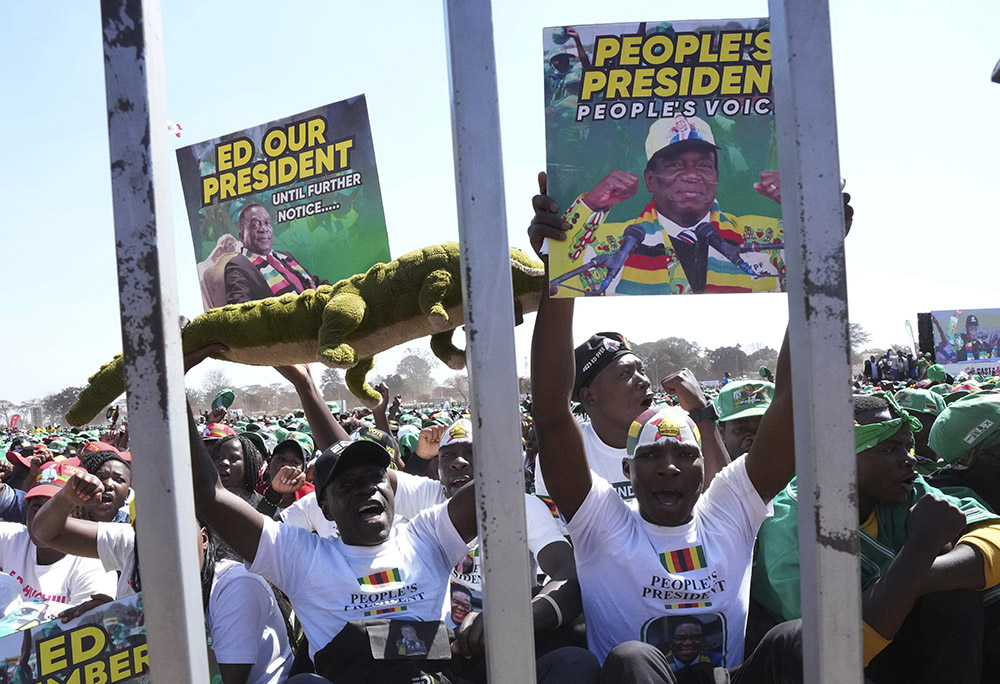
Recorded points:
(115, 545)
(542, 527)
(238, 614)
(733, 502)
(284, 555)
(415, 494)
(601, 519)
(295, 514)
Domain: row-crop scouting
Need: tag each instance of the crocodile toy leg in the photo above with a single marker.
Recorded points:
(341, 316)
(355, 379)
(445, 350)
(432, 293)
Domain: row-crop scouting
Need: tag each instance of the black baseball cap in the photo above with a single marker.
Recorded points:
(342, 455)
(595, 355)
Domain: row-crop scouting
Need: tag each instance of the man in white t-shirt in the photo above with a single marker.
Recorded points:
(349, 593)
(675, 551)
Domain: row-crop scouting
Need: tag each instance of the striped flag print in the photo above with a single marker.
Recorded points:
(381, 580)
(681, 606)
(684, 560)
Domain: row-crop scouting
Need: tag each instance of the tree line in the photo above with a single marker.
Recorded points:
(413, 378)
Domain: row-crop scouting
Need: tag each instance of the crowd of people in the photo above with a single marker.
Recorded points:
(662, 524)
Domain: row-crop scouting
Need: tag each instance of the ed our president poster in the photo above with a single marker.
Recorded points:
(285, 206)
(661, 149)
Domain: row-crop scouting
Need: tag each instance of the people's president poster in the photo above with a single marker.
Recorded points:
(661, 151)
(285, 206)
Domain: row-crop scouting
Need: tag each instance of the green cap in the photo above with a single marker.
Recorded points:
(743, 399)
(409, 442)
(223, 399)
(302, 441)
(920, 401)
(965, 424)
(936, 373)
(942, 388)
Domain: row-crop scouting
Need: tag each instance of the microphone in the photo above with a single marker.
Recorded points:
(631, 238)
(708, 233)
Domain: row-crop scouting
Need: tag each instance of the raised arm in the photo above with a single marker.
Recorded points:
(685, 385)
(53, 526)
(561, 453)
(326, 430)
(231, 517)
(380, 412)
(771, 460)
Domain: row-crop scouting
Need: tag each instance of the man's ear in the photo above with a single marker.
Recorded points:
(323, 507)
(647, 176)
(586, 395)
(627, 468)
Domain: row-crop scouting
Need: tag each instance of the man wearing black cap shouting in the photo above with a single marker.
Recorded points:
(612, 387)
(348, 592)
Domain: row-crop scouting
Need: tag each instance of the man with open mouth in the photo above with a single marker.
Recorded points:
(349, 592)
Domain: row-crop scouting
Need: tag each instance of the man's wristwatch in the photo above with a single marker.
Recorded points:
(707, 412)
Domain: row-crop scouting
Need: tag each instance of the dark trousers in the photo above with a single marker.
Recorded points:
(567, 665)
(940, 641)
(776, 660)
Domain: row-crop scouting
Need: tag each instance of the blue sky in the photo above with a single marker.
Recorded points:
(916, 118)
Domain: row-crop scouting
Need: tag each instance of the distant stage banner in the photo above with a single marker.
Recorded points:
(661, 149)
(285, 206)
(106, 645)
(967, 340)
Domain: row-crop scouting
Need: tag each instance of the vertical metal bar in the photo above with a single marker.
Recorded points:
(137, 128)
(489, 331)
(812, 213)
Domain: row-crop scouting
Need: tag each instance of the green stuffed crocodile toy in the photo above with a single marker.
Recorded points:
(343, 325)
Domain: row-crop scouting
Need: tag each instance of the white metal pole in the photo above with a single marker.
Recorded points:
(812, 213)
(489, 333)
(137, 130)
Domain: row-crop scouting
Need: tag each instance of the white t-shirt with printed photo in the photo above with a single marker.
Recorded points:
(636, 576)
(70, 580)
(331, 583)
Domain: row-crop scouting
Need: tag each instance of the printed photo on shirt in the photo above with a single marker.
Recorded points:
(686, 640)
(463, 601)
